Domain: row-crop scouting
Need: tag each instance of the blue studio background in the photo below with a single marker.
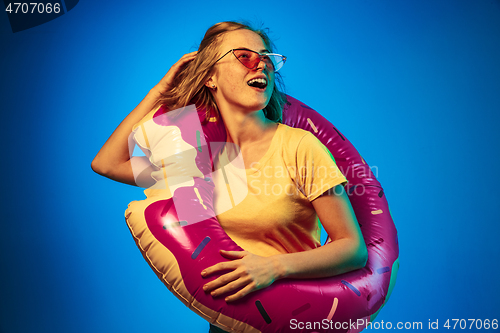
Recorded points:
(414, 85)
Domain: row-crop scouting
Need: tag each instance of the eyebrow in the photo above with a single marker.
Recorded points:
(261, 51)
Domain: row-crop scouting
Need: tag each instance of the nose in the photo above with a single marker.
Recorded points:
(262, 63)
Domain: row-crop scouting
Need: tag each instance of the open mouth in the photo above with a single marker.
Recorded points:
(260, 83)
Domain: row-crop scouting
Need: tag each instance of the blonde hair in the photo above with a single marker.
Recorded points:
(189, 85)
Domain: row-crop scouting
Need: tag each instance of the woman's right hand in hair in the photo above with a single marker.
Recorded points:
(166, 83)
(114, 160)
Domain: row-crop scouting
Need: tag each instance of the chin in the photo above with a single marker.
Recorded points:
(256, 101)
(263, 100)
(261, 105)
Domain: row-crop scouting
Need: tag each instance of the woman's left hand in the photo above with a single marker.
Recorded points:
(248, 271)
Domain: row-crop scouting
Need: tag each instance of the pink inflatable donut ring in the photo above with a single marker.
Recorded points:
(179, 236)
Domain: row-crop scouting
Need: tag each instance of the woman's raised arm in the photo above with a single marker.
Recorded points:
(114, 158)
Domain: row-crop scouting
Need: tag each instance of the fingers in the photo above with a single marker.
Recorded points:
(228, 283)
(186, 58)
(242, 293)
(222, 266)
(225, 284)
(233, 254)
(182, 62)
(220, 281)
(190, 54)
(223, 279)
(237, 284)
(167, 81)
(238, 277)
(227, 265)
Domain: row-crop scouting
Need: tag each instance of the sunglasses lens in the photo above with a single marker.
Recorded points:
(277, 61)
(248, 58)
(251, 59)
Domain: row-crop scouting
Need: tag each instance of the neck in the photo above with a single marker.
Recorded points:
(246, 128)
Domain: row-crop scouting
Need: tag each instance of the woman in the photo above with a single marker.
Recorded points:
(233, 74)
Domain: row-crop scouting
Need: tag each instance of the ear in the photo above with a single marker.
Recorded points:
(211, 83)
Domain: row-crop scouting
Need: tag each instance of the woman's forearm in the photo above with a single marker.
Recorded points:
(113, 159)
(337, 257)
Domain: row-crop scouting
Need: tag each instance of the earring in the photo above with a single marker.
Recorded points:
(213, 86)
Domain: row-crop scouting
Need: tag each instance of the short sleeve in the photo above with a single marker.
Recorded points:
(317, 171)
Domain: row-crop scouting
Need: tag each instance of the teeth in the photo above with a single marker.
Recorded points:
(261, 81)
